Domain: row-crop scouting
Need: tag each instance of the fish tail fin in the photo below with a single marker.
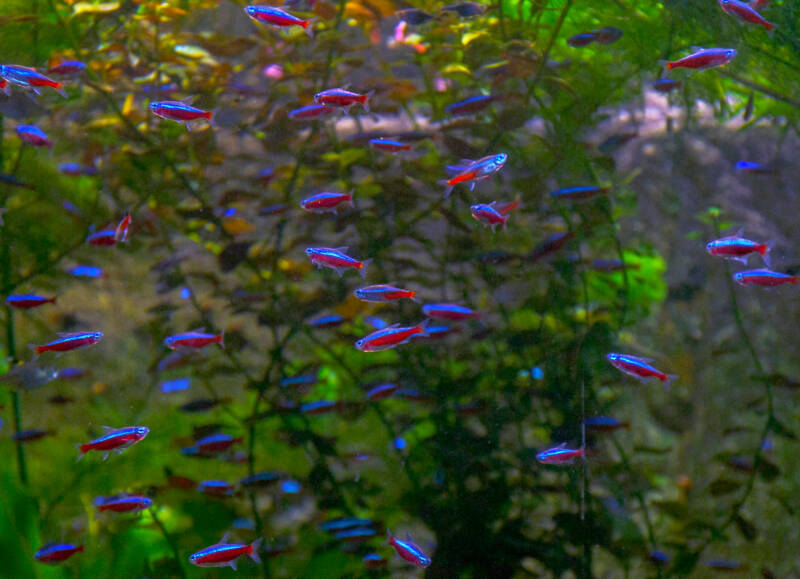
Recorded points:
(423, 326)
(82, 450)
(670, 377)
(36, 351)
(665, 64)
(308, 26)
(59, 86)
(81, 549)
(222, 339)
(52, 300)
(254, 547)
(351, 201)
(208, 115)
(363, 269)
(794, 279)
(769, 26)
(448, 187)
(366, 99)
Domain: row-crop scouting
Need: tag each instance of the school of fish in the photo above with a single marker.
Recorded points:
(333, 103)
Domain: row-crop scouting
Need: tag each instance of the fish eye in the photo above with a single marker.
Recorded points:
(729, 53)
(360, 343)
(250, 9)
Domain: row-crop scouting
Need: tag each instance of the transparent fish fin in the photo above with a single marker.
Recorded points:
(225, 538)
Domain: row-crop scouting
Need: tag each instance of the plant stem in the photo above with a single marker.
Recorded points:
(169, 541)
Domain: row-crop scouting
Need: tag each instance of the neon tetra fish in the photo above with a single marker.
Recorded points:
(28, 301)
(560, 455)
(409, 551)
(335, 259)
(29, 78)
(469, 105)
(475, 171)
(279, 18)
(449, 312)
(123, 503)
(488, 214)
(745, 13)
(224, 554)
(704, 58)
(179, 111)
(33, 136)
(311, 112)
(67, 68)
(391, 337)
(57, 552)
(639, 368)
(389, 145)
(327, 201)
(764, 278)
(115, 440)
(194, 340)
(105, 238)
(342, 98)
(68, 342)
(735, 247)
(383, 293)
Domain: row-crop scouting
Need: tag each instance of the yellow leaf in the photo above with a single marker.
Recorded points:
(470, 36)
(105, 121)
(195, 53)
(237, 225)
(127, 107)
(456, 68)
(92, 8)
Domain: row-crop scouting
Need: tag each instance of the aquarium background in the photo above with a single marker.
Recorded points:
(700, 478)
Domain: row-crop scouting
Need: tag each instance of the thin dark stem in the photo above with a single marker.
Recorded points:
(169, 541)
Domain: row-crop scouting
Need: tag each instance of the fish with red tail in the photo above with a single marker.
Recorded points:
(561, 455)
(278, 18)
(409, 551)
(28, 301)
(391, 337)
(30, 78)
(736, 247)
(52, 553)
(473, 171)
(342, 98)
(68, 342)
(703, 58)
(639, 368)
(763, 277)
(745, 13)
(225, 554)
(335, 259)
(114, 440)
(179, 111)
(194, 340)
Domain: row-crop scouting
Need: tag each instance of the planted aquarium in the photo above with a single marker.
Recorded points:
(368, 289)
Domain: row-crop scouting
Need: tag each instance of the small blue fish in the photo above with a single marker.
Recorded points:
(752, 167)
(57, 552)
(410, 551)
(579, 193)
(176, 385)
(469, 105)
(330, 321)
(260, 479)
(475, 171)
(224, 554)
(85, 271)
(560, 455)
